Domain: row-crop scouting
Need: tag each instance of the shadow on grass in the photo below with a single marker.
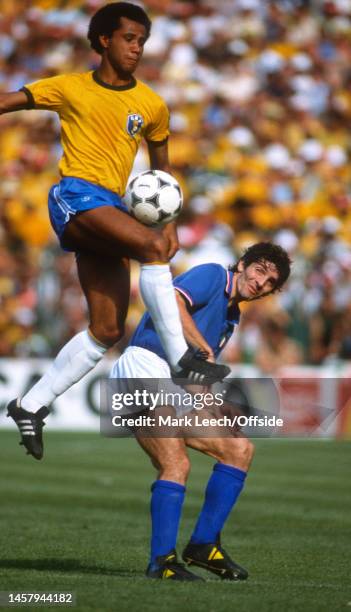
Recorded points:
(65, 565)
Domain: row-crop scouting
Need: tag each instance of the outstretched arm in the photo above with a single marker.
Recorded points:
(14, 101)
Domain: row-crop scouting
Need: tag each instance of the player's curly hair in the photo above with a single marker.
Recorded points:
(270, 252)
(107, 19)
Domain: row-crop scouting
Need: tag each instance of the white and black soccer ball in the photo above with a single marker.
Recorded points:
(154, 197)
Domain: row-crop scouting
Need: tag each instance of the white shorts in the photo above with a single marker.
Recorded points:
(139, 363)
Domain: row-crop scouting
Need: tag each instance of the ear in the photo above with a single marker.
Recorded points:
(104, 41)
(240, 265)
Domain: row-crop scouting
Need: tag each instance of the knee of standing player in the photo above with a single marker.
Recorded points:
(238, 452)
(176, 469)
(156, 249)
(107, 334)
(250, 450)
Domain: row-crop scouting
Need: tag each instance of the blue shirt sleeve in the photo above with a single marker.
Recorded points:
(201, 283)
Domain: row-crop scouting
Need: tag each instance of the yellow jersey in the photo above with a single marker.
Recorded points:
(101, 125)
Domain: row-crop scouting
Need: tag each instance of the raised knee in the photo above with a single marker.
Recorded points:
(156, 249)
(107, 335)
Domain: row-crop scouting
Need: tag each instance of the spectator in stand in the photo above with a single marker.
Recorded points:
(276, 350)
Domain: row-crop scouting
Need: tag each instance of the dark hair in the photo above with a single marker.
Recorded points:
(270, 252)
(107, 19)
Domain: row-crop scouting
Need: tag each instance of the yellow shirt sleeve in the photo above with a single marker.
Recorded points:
(47, 93)
(158, 130)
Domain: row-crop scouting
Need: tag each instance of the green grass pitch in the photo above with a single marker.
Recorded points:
(79, 521)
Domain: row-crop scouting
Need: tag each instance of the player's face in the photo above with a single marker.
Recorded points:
(126, 46)
(257, 280)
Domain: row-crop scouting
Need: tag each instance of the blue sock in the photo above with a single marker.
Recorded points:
(166, 507)
(222, 491)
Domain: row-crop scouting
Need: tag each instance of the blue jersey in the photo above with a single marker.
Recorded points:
(207, 290)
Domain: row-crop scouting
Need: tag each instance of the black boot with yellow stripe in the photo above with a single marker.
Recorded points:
(167, 567)
(213, 558)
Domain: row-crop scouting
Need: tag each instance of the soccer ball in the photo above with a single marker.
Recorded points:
(154, 197)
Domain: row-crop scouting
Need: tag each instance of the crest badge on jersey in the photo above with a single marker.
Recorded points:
(134, 124)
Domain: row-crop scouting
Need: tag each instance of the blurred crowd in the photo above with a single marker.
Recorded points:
(260, 100)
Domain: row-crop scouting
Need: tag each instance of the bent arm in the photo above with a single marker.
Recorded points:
(191, 333)
(158, 155)
(14, 101)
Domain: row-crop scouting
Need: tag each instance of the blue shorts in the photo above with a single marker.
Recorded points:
(74, 195)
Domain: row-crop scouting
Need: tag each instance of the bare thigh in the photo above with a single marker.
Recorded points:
(106, 286)
(109, 231)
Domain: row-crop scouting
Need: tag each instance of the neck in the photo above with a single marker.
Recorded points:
(113, 76)
(235, 298)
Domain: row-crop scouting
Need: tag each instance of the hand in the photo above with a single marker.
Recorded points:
(206, 352)
(170, 232)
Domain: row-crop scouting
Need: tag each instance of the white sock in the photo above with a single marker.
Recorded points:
(159, 296)
(75, 359)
